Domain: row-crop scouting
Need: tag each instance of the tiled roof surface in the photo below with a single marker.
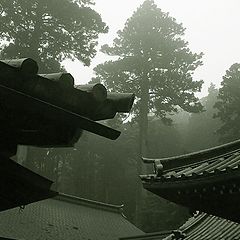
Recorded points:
(200, 227)
(66, 217)
(214, 161)
(208, 180)
(208, 227)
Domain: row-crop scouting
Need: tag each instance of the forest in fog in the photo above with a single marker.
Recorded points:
(150, 58)
(107, 171)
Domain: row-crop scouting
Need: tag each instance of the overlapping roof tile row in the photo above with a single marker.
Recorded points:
(204, 226)
(228, 163)
(201, 226)
(199, 164)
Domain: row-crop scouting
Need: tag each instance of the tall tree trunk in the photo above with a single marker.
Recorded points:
(143, 117)
(143, 139)
(36, 35)
(143, 121)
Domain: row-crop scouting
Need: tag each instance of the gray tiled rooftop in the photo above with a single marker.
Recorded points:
(210, 227)
(66, 219)
(200, 227)
(215, 161)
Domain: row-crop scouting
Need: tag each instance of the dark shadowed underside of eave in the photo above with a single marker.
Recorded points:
(19, 186)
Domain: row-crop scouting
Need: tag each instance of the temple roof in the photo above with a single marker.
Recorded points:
(199, 227)
(204, 226)
(66, 217)
(206, 180)
(48, 110)
(214, 161)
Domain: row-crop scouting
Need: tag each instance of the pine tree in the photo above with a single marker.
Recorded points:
(228, 104)
(154, 62)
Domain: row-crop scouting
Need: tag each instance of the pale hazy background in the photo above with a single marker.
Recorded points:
(212, 27)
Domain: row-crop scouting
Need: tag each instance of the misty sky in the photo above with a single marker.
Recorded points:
(212, 27)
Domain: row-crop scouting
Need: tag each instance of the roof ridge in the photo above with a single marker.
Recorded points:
(89, 202)
(198, 156)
